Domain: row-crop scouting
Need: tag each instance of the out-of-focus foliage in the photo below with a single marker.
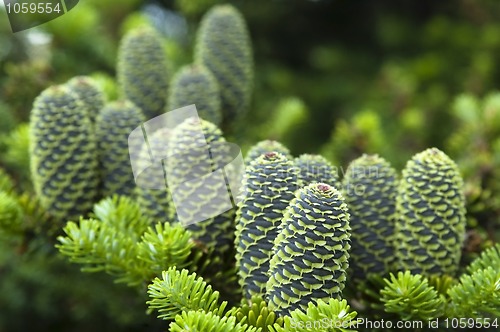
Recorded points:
(16, 155)
(475, 144)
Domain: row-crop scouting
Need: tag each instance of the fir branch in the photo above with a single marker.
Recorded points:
(164, 243)
(334, 315)
(411, 297)
(122, 213)
(208, 321)
(477, 295)
(120, 242)
(257, 313)
(99, 247)
(177, 291)
(489, 257)
(442, 283)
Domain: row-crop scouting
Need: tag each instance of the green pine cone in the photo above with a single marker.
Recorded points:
(266, 146)
(191, 157)
(430, 205)
(315, 168)
(88, 91)
(114, 124)
(269, 186)
(142, 71)
(223, 46)
(63, 147)
(196, 85)
(155, 203)
(311, 252)
(370, 188)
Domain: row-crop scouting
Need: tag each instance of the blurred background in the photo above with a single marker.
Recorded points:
(334, 77)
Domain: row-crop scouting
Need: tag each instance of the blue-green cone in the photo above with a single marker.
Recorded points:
(142, 70)
(266, 146)
(224, 47)
(430, 205)
(155, 203)
(196, 85)
(89, 92)
(370, 189)
(192, 156)
(311, 252)
(114, 124)
(315, 168)
(63, 149)
(269, 186)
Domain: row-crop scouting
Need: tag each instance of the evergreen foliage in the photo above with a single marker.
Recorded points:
(257, 313)
(195, 84)
(62, 148)
(430, 205)
(122, 242)
(287, 116)
(11, 214)
(142, 70)
(475, 145)
(6, 183)
(350, 138)
(17, 153)
(113, 126)
(223, 46)
(411, 297)
(207, 321)
(269, 185)
(178, 291)
(489, 258)
(217, 270)
(311, 252)
(478, 293)
(370, 188)
(330, 315)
